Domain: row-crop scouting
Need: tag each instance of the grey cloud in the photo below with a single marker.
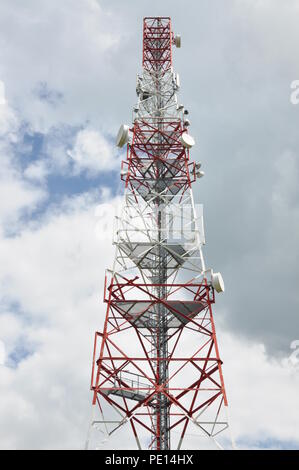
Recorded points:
(236, 64)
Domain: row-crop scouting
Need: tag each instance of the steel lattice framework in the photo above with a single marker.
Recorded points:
(157, 372)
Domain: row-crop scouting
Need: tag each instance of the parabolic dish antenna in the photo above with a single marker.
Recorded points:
(122, 135)
(217, 282)
(178, 41)
(187, 141)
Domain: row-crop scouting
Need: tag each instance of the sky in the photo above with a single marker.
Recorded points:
(67, 81)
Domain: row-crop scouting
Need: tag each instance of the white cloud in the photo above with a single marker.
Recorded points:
(92, 152)
(8, 120)
(16, 194)
(66, 45)
(2, 93)
(15, 197)
(2, 353)
(37, 171)
(262, 393)
(54, 272)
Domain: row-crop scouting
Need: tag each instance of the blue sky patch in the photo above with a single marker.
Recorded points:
(45, 93)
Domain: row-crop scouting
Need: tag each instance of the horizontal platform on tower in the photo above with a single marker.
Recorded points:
(125, 393)
(151, 255)
(127, 385)
(142, 305)
(147, 314)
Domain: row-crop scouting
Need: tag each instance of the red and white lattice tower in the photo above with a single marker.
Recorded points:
(157, 380)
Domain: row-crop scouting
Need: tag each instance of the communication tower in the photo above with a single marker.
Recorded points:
(157, 378)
